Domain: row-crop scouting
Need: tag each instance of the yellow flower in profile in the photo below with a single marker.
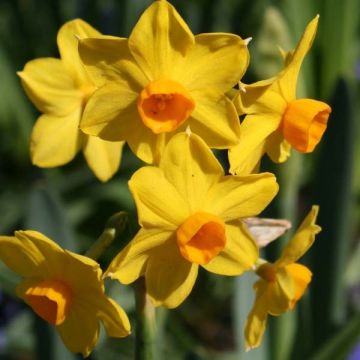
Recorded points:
(283, 283)
(60, 88)
(63, 288)
(189, 213)
(276, 120)
(162, 79)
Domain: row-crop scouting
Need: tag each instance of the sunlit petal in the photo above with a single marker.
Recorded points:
(289, 77)
(214, 118)
(235, 197)
(239, 254)
(302, 240)
(103, 157)
(255, 129)
(191, 167)
(130, 263)
(55, 140)
(109, 59)
(227, 53)
(50, 87)
(169, 277)
(110, 112)
(68, 38)
(160, 40)
(158, 202)
(80, 331)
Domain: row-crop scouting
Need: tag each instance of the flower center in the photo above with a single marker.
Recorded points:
(304, 123)
(51, 300)
(267, 271)
(201, 237)
(164, 105)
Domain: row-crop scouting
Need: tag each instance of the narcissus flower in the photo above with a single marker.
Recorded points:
(63, 288)
(60, 88)
(162, 79)
(283, 283)
(276, 120)
(189, 214)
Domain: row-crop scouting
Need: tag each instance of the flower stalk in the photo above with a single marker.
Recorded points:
(113, 229)
(145, 332)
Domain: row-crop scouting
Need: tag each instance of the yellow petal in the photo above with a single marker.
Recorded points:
(110, 112)
(256, 322)
(80, 331)
(158, 202)
(109, 59)
(250, 165)
(281, 293)
(239, 254)
(114, 318)
(191, 167)
(129, 264)
(214, 118)
(255, 129)
(103, 157)
(227, 53)
(169, 277)
(87, 272)
(21, 256)
(146, 145)
(289, 76)
(235, 197)
(160, 40)
(30, 253)
(56, 140)
(50, 87)
(262, 97)
(68, 39)
(277, 147)
(302, 240)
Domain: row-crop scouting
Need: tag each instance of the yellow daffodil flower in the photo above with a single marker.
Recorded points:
(283, 283)
(189, 214)
(63, 288)
(60, 88)
(276, 120)
(162, 79)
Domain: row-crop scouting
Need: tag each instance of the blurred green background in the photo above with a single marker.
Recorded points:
(69, 205)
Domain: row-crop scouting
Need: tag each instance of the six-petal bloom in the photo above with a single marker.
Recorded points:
(63, 288)
(60, 88)
(283, 283)
(276, 120)
(189, 213)
(162, 79)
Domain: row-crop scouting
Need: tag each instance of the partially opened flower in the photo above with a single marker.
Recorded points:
(283, 283)
(63, 288)
(189, 216)
(162, 79)
(276, 120)
(60, 88)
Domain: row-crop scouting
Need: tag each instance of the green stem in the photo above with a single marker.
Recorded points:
(145, 324)
(113, 229)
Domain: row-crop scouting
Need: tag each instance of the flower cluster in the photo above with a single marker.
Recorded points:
(165, 92)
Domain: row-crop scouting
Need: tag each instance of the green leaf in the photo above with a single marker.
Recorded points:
(243, 302)
(339, 346)
(46, 213)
